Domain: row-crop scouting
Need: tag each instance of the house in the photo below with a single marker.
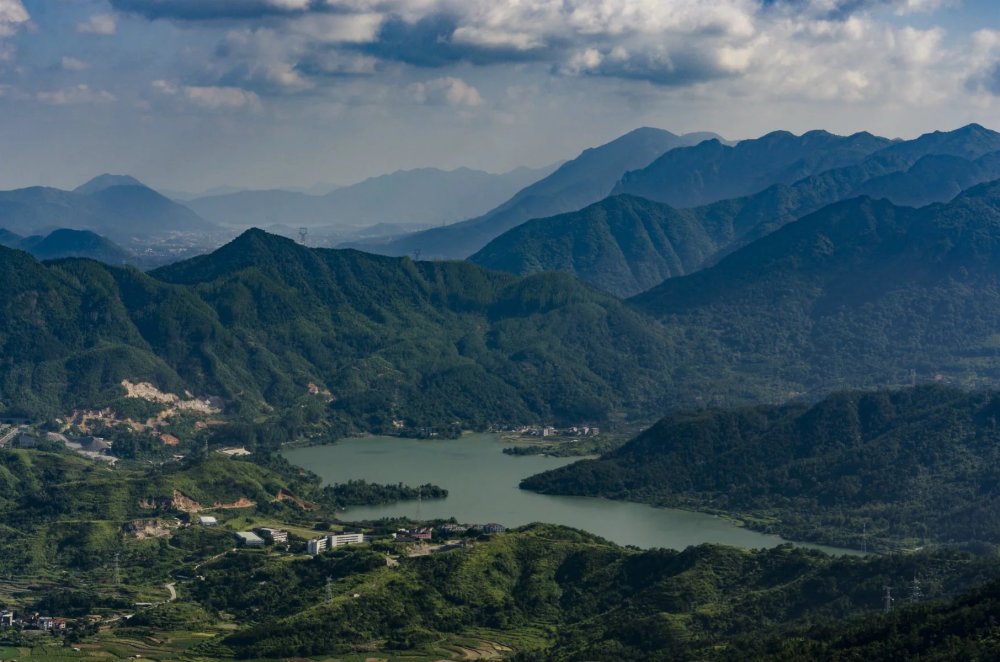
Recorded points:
(234, 452)
(317, 545)
(208, 520)
(411, 535)
(249, 539)
(492, 528)
(6, 619)
(452, 529)
(274, 535)
(548, 431)
(340, 539)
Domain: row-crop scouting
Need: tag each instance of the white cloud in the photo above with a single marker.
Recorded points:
(78, 94)
(12, 16)
(99, 24)
(448, 90)
(209, 97)
(72, 64)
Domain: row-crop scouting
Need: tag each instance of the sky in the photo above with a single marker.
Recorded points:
(193, 94)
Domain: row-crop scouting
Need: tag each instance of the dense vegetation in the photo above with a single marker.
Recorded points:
(918, 465)
(59, 510)
(369, 341)
(964, 628)
(363, 493)
(860, 293)
(625, 245)
(561, 594)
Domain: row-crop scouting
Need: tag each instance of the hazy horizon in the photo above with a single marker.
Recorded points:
(193, 95)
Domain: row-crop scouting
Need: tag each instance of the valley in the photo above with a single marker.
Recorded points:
(725, 419)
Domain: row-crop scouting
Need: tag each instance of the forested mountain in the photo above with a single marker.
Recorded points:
(574, 185)
(917, 465)
(622, 244)
(861, 292)
(104, 205)
(263, 318)
(964, 628)
(68, 243)
(710, 171)
(560, 595)
(625, 246)
(415, 197)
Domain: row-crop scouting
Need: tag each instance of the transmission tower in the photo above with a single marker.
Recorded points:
(864, 538)
(416, 255)
(916, 591)
(329, 589)
(303, 233)
(887, 600)
(118, 569)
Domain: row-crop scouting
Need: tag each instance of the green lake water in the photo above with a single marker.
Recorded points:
(483, 487)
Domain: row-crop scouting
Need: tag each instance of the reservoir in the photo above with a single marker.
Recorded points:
(482, 484)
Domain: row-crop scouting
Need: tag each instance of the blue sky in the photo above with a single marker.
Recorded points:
(192, 94)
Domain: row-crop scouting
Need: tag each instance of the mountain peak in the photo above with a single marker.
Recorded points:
(106, 181)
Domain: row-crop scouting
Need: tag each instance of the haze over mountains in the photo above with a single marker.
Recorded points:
(626, 244)
(116, 206)
(426, 196)
(578, 182)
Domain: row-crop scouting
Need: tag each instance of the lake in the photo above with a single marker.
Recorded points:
(483, 487)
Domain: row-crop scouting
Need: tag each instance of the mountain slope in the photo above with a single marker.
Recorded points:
(78, 243)
(262, 318)
(627, 248)
(415, 197)
(105, 181)
(711, 171)
(116, 210)
(622, 244)
(576, 184)
(917, 465)
(861, 292)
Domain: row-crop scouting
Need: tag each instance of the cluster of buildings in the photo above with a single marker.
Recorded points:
(491, 527)
(260, 537)
(549, 431)
(8, 619)
(318, 545)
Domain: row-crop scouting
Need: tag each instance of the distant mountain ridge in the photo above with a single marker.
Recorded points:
(577, 183)
(710, 171)
(416, 197)
(624, 246)
(116, 206)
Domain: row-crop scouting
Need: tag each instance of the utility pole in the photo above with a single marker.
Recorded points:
(887, 600)
(118, 569)
(329, 589)
(864, 538)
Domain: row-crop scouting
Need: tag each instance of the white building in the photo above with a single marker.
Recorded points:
(208, 520)
(276, 535)
(346, 539)
(317, 545)
(249, 539)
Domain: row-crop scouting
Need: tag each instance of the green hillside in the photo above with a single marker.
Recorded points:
(259, 320)
(882, 469)
(860, 293)
(625, 245)
(555, 594)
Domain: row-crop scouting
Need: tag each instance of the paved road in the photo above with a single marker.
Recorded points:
(173, 592)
